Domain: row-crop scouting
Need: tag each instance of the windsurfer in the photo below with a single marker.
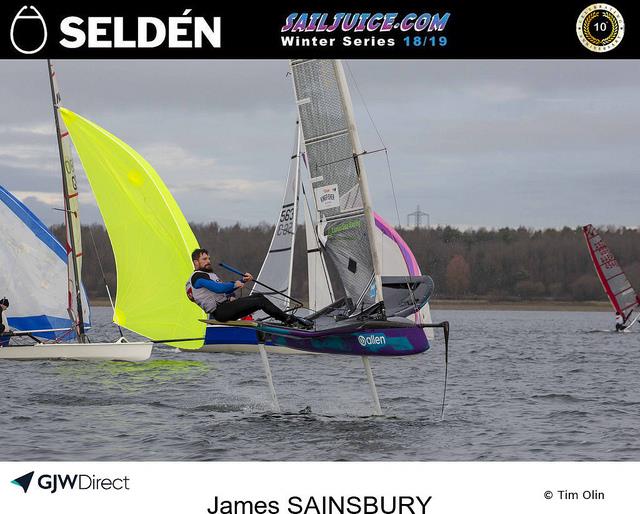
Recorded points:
(620, 322)
(218, 300)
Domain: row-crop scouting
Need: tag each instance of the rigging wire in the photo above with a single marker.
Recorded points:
(375, 127)
(104, 278)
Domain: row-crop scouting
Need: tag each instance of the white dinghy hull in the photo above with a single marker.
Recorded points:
(118, 351)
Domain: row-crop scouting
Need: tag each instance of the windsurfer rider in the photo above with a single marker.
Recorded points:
(620, 322)
(218, 300)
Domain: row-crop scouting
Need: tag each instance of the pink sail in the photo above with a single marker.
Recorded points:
(621, 294)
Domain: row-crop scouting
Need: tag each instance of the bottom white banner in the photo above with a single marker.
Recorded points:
(318, 487)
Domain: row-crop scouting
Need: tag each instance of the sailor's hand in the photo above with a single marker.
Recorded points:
(239, 284)
(248, 277)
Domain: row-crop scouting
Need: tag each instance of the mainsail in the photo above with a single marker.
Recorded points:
(344, 217)
(278, 264)
(151, 239)
(621, 294)
(76, 308)
(34, 268)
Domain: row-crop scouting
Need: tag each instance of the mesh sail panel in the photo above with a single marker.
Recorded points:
(334, 174)
(352, 258)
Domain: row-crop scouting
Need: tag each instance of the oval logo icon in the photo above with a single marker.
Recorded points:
(27, 28)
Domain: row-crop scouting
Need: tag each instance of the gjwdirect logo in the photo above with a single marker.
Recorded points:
(78, 482)
(29, 33)
(24, 481)
(600, 27)
(372, 340)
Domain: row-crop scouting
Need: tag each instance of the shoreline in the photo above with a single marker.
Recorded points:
(490, 305)
(522, 305)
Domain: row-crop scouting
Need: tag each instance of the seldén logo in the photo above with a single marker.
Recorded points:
(24, 481)
(79, 482)
(29, 32)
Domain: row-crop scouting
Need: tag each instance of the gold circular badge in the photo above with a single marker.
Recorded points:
(600, 27)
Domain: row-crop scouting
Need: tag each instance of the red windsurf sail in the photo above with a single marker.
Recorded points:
(621, 294)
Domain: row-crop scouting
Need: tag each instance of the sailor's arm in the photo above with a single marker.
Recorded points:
(217, 287)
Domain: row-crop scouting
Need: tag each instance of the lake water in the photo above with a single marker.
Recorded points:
(522, 386)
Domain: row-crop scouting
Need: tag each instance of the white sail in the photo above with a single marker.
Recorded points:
(34, 272)
(344, 218)
(78, 310)
(277, 267)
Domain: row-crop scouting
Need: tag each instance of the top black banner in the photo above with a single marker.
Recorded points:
(418, 30)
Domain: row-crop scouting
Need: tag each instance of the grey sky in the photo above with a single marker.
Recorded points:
(474, 143)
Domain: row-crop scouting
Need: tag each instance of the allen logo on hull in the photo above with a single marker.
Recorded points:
(372, 340)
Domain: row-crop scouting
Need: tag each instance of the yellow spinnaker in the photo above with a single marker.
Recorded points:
(151, 239)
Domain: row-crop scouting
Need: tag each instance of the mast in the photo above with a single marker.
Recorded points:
(296, 199)
(72, 221)
(362, 176)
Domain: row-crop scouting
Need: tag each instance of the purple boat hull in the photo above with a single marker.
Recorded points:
(388, 342)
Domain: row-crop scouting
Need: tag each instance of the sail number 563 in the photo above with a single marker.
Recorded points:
(285, 225)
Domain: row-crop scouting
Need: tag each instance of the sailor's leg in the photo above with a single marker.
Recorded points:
(237, 309)
(272, 310)
(248, 305)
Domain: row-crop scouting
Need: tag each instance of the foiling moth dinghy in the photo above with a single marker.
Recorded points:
(277, 268)
(36, 310)
(378, 315)
(621, 294)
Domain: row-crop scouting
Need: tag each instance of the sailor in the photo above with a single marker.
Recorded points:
(5, 331)
(218, 299)
(620, 322)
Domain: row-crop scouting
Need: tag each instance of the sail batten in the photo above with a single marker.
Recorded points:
(151, 239)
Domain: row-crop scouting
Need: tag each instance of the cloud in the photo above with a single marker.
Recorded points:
(473, 142)
(171, 156)
(35, 129)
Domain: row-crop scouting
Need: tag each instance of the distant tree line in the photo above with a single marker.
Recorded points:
(504, 264)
